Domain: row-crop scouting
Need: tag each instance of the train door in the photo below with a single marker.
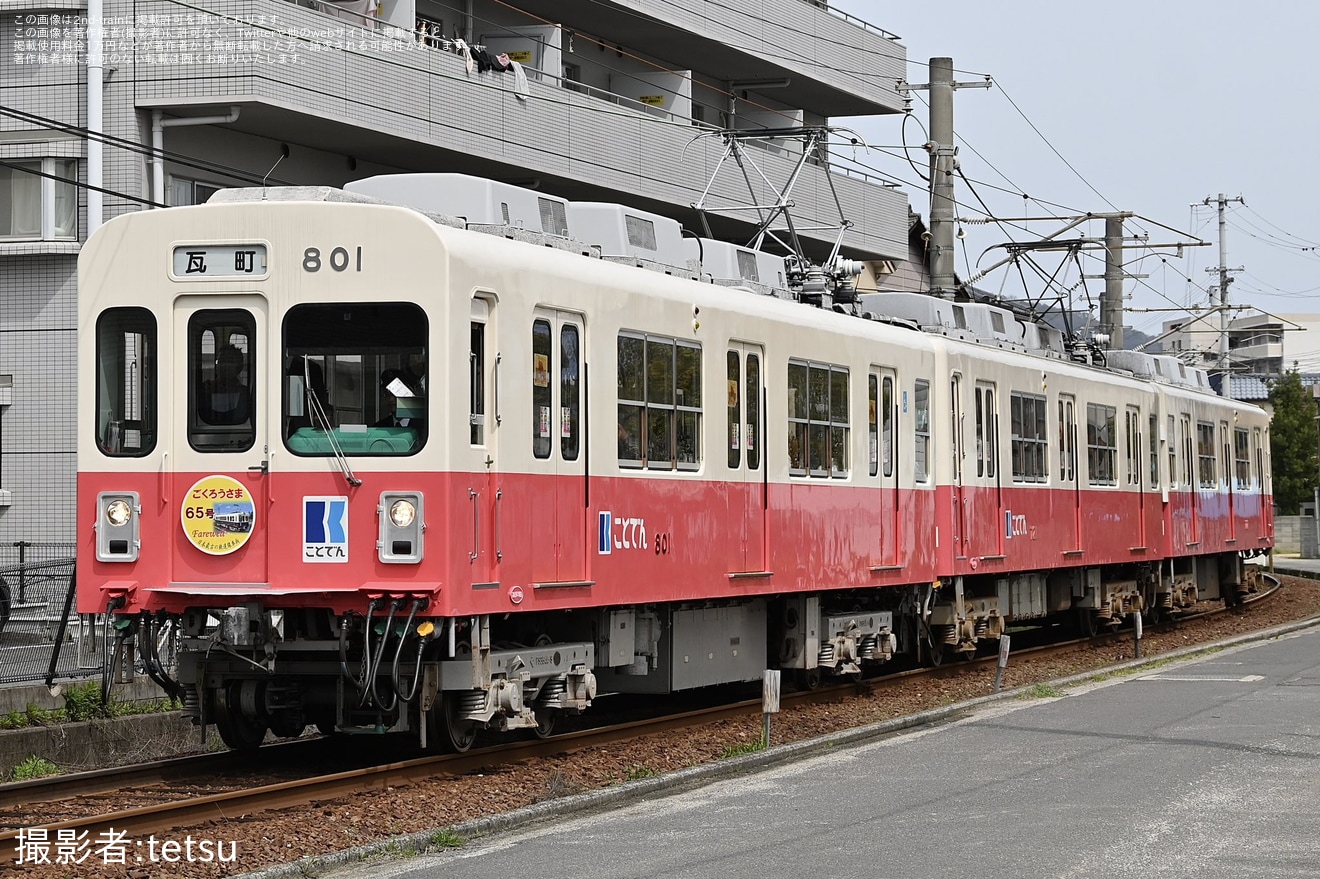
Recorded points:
(1068, 470)
(882, 407)
(1226, 468)
(986, 522)
(1264, 511)
(1190, 478)
(218, 455)
(746, 417)
(559, 538)
(1133, 469)
(959, 493)
(486, 492)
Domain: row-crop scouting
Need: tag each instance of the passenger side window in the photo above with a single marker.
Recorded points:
(126, 402)
(921, 415)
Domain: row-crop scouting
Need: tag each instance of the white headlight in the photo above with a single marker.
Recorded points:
(402, 513)
(118, 513)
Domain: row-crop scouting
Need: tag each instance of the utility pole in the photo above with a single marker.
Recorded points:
(943, 161)
(1111, 303)
(1224, 281)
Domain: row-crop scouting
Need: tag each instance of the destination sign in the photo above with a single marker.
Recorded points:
(207, 261)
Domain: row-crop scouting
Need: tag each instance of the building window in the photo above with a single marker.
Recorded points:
(185, 192)
(818, 419)
(37, 207)
(1101, 443)
(659, 399)
(1205, 454)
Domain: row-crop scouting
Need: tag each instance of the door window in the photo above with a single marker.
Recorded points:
(222, 368)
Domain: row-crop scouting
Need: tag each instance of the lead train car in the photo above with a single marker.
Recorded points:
(579, 476)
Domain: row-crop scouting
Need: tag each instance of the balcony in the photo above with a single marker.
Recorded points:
(1256, 348)
(301, 76)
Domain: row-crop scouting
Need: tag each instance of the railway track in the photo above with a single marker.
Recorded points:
(158, 817)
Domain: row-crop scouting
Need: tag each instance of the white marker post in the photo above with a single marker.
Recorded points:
(1003, 661)
(769, 702)
(1136, 631)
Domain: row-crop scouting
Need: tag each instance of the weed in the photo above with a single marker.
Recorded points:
(559, 785)
(84, 702)
(637, 773)
(446, 838)
(741, 749)
(37, 716)
(34, 767)
(1044, 691)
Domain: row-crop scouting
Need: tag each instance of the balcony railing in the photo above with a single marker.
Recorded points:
(852, 19)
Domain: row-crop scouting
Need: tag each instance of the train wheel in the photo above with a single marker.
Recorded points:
(237, 731)
(809, 678)
(546, 721)
(938, 653)
(452, 732)
(1088, 624)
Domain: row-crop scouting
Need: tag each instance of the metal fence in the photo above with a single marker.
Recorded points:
(36, 583)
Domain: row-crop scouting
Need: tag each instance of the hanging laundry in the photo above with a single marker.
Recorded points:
(484, 60)
(462, 49)
(520, 88)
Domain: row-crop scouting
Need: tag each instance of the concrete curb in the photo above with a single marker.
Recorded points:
(696, 776)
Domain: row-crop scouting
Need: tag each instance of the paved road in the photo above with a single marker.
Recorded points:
(1207, 770)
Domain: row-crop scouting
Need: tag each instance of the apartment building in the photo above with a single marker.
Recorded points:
(609, 100)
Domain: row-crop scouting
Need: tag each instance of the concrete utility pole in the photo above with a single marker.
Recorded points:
(943, 216)
(1111, 303)
(942, 152)
(1224, 281)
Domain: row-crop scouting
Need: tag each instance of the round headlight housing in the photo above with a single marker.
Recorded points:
(402, 513)
(118, 513)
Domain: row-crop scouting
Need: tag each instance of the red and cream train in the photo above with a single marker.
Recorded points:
(384, 469)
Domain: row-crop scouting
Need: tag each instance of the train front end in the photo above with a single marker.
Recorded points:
(264, 485)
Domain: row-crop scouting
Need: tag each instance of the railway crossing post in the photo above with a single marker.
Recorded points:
(769, 702)
(1004, 641)
(1136, 633)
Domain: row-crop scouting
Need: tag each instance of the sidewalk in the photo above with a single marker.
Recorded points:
(1291, 564)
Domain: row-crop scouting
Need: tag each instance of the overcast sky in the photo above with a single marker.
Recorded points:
(1156, 105)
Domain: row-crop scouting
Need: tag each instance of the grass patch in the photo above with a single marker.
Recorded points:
(446, 838)
(1043, 691)
(1151, 665)
(82, 702)
(33, 767)
(637, 773)
(741, 749)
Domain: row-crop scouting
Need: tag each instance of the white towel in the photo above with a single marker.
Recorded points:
(463, 50)
(520, 89)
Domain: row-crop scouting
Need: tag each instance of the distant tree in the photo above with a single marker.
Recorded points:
(1293, 443)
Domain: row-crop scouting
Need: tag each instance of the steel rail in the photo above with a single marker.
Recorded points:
(161, 817)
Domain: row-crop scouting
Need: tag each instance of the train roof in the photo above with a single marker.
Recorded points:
(641, 240)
